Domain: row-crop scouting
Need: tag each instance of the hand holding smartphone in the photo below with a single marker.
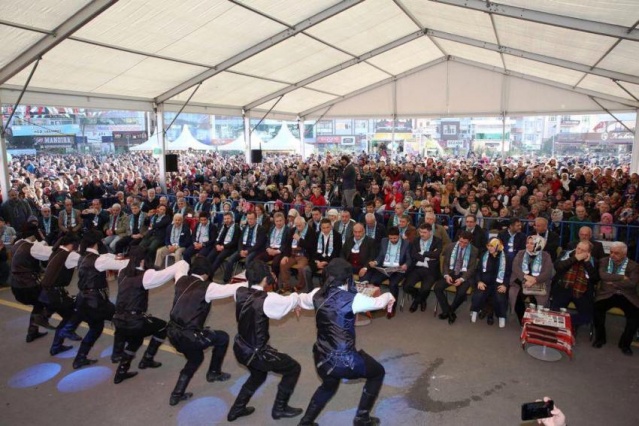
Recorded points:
(537, 410)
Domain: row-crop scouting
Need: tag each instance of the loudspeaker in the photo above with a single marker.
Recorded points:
(171, 162)
(256, 156)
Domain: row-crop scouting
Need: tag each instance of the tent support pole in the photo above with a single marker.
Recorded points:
(247, 138)
(503, 135)
(5, 181)
(634, 162)
(159, 119)
(300, 129)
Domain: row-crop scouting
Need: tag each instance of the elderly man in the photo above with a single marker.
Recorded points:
(95, 217)
(585, 234)
(136, 229)
(374, 229)
(619, 289)
(48, 225)
(177, 238)
(69, 219)
(438, 230)
(344, 226)
(116, 228)
(296, 253)
(359, 250)
(552, 239)
(15, 210)
(156, 233)
(578, 220)
(576, 276)
(202, 205)
(516, 209)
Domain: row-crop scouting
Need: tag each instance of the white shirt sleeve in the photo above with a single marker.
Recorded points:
(108, 262)
(41, 251)
(306, 299)
(363, 303)
(277, 306)
(221, 291)
(72, 260)
(153, 278)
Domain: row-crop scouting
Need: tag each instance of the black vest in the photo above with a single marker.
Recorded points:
(132, 296)
(24, 267)
(90, 278)
(56, 274)
(189, 307)
(335, 321)
(252, 322)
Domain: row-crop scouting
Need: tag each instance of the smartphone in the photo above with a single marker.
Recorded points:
(537, 410)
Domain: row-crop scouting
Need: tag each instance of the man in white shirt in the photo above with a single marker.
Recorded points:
(334, 353)
(254, 307)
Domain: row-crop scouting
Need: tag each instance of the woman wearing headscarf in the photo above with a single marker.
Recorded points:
(605, 230)
(532, 274)
(490, 290)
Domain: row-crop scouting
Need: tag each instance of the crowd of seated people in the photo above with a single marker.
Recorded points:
(507, 230)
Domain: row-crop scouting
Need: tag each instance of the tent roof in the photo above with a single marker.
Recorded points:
(238, 143)
(324, 57)
(186, 141)
(283, 141)
(149, 145)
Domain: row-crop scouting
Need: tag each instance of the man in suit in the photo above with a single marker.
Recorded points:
(225, 243)
(424, 254)
(95, 217)
(479, 239)
(177, 238)
(359, 250)
(514, 241)
(183, 208)
(48, 225)
(393, 220)
(393, 253)
(202, 205)
(69, 219)
(407, 231)
(460, 263)
(278, 237)
(156, 233)
(619, 288)
(438, 230)
(370, 208)
(316, 219)
(252, 242)
(151, 203)
(136, 229)
(116, 228)
(552, 239)
(585, 234)
(374, 230)
(297, 253)
(328, 247)
(203, 238)
(344, 226)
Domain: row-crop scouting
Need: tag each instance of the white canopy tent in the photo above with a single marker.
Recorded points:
(325, 58)
(186, 142)
(239, 145)
(149, 145)
(285, 141)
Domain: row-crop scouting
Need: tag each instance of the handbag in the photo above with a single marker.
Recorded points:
(538, 289)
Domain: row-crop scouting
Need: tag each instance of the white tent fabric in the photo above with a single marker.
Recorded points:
(238, 143)
(283, 141)
(324, 57)
(186, 142)
(149, 145)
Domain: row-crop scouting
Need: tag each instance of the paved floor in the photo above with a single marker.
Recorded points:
(465, 374)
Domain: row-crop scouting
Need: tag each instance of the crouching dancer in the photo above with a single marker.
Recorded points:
(336, 358)
(253, 308)
(132, 323)
(187, 333)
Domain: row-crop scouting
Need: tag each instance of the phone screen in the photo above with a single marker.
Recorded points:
(537, 410)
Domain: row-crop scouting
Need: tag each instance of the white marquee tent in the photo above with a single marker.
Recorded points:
(149, 145)
(186, 142)
(324, 58)
(238, 143)
(285, 141)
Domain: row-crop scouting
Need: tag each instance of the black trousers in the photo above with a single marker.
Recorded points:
(481, 300)
(460, 294)
(134, 337)
(192, 251)
(423, 275)
(216, 258)
(363, 366)
(29, 296)
(126, 242)
(630, 311)
(561, 298)
(269, 360)
(193, 343)
(373, 276)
